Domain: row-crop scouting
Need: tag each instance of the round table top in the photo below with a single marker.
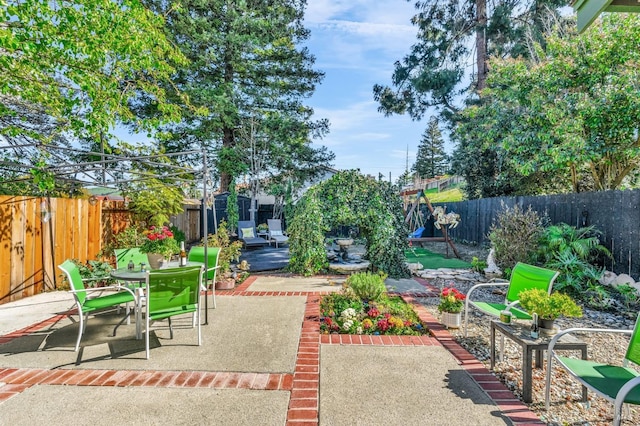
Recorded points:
(125, 274)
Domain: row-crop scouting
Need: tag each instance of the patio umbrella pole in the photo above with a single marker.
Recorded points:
(205, 218)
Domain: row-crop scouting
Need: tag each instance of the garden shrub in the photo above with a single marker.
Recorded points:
(367, 285)
(515, 236)
(574, 252)
(229, 250)
(307, 254)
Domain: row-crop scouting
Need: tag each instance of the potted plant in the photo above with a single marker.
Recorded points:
(262, 227)
(159, 244)
(548, 307)
(451, 303)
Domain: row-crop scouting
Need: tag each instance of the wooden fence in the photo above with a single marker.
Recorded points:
(616, 214)
(33, 242)
(31, 248)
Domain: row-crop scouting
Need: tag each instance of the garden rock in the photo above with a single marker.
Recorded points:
(623, 279)
(608, 278)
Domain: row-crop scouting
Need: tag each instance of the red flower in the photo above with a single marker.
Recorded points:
(373, 312)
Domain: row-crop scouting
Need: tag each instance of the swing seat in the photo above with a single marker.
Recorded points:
(417, 233)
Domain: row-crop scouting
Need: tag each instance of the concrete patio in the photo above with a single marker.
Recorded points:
(263, 361)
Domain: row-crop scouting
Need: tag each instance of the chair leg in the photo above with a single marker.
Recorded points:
(80, 331)
(213, 293)
(170, 329)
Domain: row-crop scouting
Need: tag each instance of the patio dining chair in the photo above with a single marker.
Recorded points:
(619, 384)
(86, 305)
(172, 292)
(196, 254)
(523, 277)
(124, 255)
(275, 231)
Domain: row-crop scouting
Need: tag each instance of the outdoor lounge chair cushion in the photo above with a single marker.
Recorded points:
(247, 233)
(276, 233)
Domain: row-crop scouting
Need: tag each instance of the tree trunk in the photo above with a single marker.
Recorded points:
(481, 44)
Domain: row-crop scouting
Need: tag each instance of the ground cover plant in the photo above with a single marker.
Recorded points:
(363, 306)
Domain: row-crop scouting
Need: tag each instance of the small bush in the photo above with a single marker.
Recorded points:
(367, 285)
(515, 235)
(573, 252)
(229, 250)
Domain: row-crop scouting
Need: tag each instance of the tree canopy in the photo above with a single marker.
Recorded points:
(436, 73)
(571, 112)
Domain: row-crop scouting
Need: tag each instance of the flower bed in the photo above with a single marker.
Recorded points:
(344, 313)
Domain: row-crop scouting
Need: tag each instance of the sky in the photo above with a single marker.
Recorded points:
(356, 43)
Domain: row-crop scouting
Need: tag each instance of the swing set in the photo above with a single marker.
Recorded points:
(416, 222)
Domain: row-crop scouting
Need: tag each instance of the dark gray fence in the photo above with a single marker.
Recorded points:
(614, 213)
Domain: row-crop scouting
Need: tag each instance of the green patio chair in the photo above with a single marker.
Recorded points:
(171, 292)
(196, 254)
(523, 277)
(617, 383)
(123, 256)
(86, 305)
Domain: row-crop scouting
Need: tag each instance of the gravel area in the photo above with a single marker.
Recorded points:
(566, 407)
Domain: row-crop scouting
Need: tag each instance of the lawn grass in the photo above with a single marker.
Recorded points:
(430, 260)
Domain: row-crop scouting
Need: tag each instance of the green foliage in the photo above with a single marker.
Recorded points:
(247, 60)
(577, 103)
(82, 65)
(95, 272)
(306, 237)
(349, 198)
(514, 236)
(153, 201)
(366, 285)
(435, 71)
(573, 252)
(478, 265)
(232, 207)
(230, 250)
(178, 234)
(549, 306)
(628, 294)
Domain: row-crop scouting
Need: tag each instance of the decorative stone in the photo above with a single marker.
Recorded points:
(623, 279)
(608, 278)
(414, 267)
(492, 268)
(349, 268)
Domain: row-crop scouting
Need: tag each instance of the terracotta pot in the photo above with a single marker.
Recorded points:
(451, 320)
(156, 260)
(227, 284)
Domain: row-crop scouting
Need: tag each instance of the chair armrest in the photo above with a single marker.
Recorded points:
(620, 397)
(495, 284)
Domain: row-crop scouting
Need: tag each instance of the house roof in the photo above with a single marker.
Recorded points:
(589, 10)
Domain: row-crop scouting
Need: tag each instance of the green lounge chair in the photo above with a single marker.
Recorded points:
(171, 292)
(616, 383)
(523, 277)
(88, 305)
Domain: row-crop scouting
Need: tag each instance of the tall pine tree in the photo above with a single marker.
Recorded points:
(245, 63)
(432, 160)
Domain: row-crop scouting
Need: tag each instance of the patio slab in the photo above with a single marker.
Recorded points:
(288, 284)
(241, 336)
(422, 385)
(68, 405)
